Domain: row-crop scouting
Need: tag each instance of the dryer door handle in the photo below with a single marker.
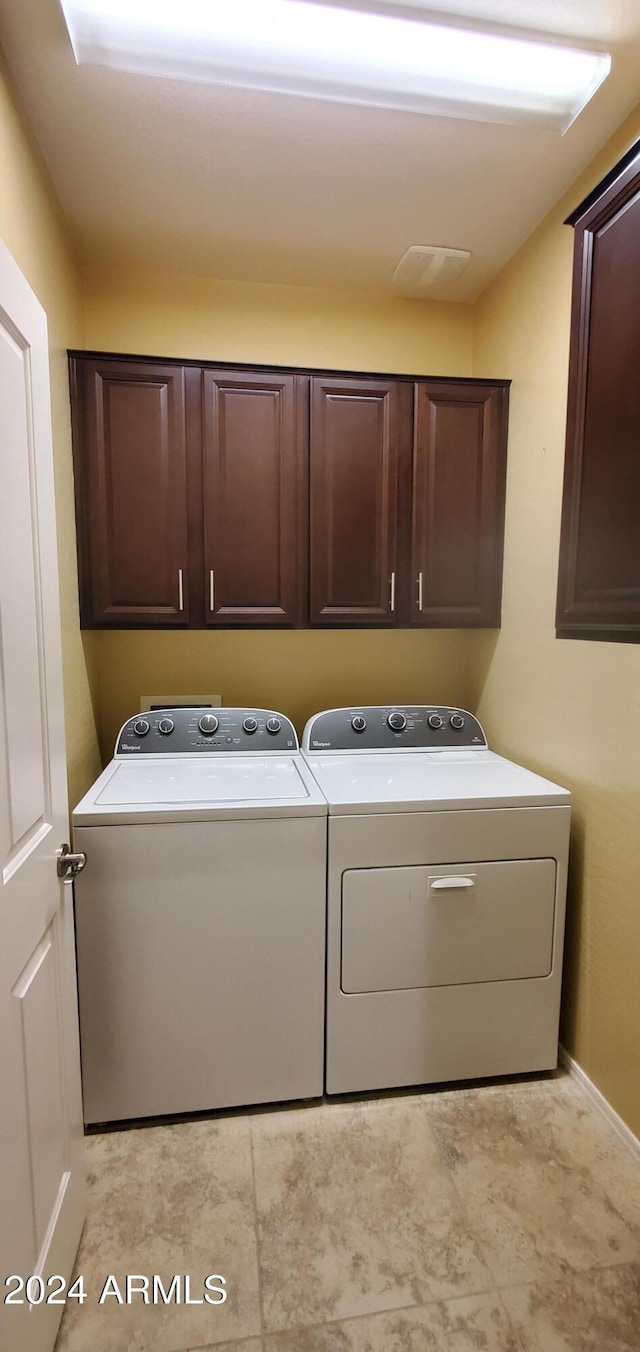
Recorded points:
(451, 881)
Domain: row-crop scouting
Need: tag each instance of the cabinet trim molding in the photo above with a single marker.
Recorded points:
(271, 368)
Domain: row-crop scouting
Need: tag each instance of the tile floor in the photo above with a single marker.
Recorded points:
(503, 1218)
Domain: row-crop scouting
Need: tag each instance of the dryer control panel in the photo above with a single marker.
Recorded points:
(176, 732)
(386, 727)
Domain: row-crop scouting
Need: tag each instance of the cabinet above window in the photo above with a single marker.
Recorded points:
(211, 496)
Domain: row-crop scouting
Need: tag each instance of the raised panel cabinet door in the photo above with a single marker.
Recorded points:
(353, 517)
(253, 521)
(599, 576)
(458, 504)
(131, 493)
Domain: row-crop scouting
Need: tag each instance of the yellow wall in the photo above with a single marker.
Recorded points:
(32, 227)
(566, 708)
(198, 317)
(298, 671)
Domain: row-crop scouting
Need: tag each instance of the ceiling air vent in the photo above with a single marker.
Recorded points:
(426, 268)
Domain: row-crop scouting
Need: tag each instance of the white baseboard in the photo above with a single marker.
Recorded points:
(599, 1101)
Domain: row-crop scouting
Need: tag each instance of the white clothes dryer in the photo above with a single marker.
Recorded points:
(200, 917)
(447, 871)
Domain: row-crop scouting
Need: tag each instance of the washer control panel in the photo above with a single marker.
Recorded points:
(404, 727)
(175, 732)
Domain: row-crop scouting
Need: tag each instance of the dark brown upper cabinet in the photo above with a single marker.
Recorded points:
(599, 575)
(459, 464)
(254, 497)
(208, 496)
(131, 492)
(353, 513)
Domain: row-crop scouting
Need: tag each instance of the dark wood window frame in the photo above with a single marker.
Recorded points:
(599, 565)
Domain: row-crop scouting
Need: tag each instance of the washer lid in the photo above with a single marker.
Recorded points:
(429, 781)
(190, 788)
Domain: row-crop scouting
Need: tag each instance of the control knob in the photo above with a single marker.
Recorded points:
(273, 725)
(358, 723)
(208, 724)
(397, 721)
(457, 721)
(165, 726)
(435, 720)
(250, 724)
(141, 727)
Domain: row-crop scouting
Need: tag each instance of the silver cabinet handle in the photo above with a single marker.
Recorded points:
(69, 865)
(420, 592)
(451, 881)
(212, 591)
(392, 592)
(180, 591)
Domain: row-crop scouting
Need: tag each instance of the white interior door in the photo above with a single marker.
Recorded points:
(41, 1148)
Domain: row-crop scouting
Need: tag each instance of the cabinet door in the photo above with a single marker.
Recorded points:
(458, 504)
(131, 492)
(599, 575)
(354, 470)
(254, 466)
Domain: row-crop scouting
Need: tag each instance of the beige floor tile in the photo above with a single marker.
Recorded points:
(595, 1311)
(467, 1325)
(167, 1200)
(546, 1182)
(245, 1345)
(357, 1214)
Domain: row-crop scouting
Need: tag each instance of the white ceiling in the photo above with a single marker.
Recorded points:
(230, 183)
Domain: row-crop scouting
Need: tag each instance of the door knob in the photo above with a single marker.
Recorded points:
(70, 865)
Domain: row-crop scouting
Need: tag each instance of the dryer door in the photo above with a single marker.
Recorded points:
(447, 925)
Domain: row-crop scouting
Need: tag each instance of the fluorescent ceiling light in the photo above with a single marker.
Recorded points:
(321, 51)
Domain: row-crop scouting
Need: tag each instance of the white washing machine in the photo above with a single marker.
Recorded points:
(200, 917)
(447, 870)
